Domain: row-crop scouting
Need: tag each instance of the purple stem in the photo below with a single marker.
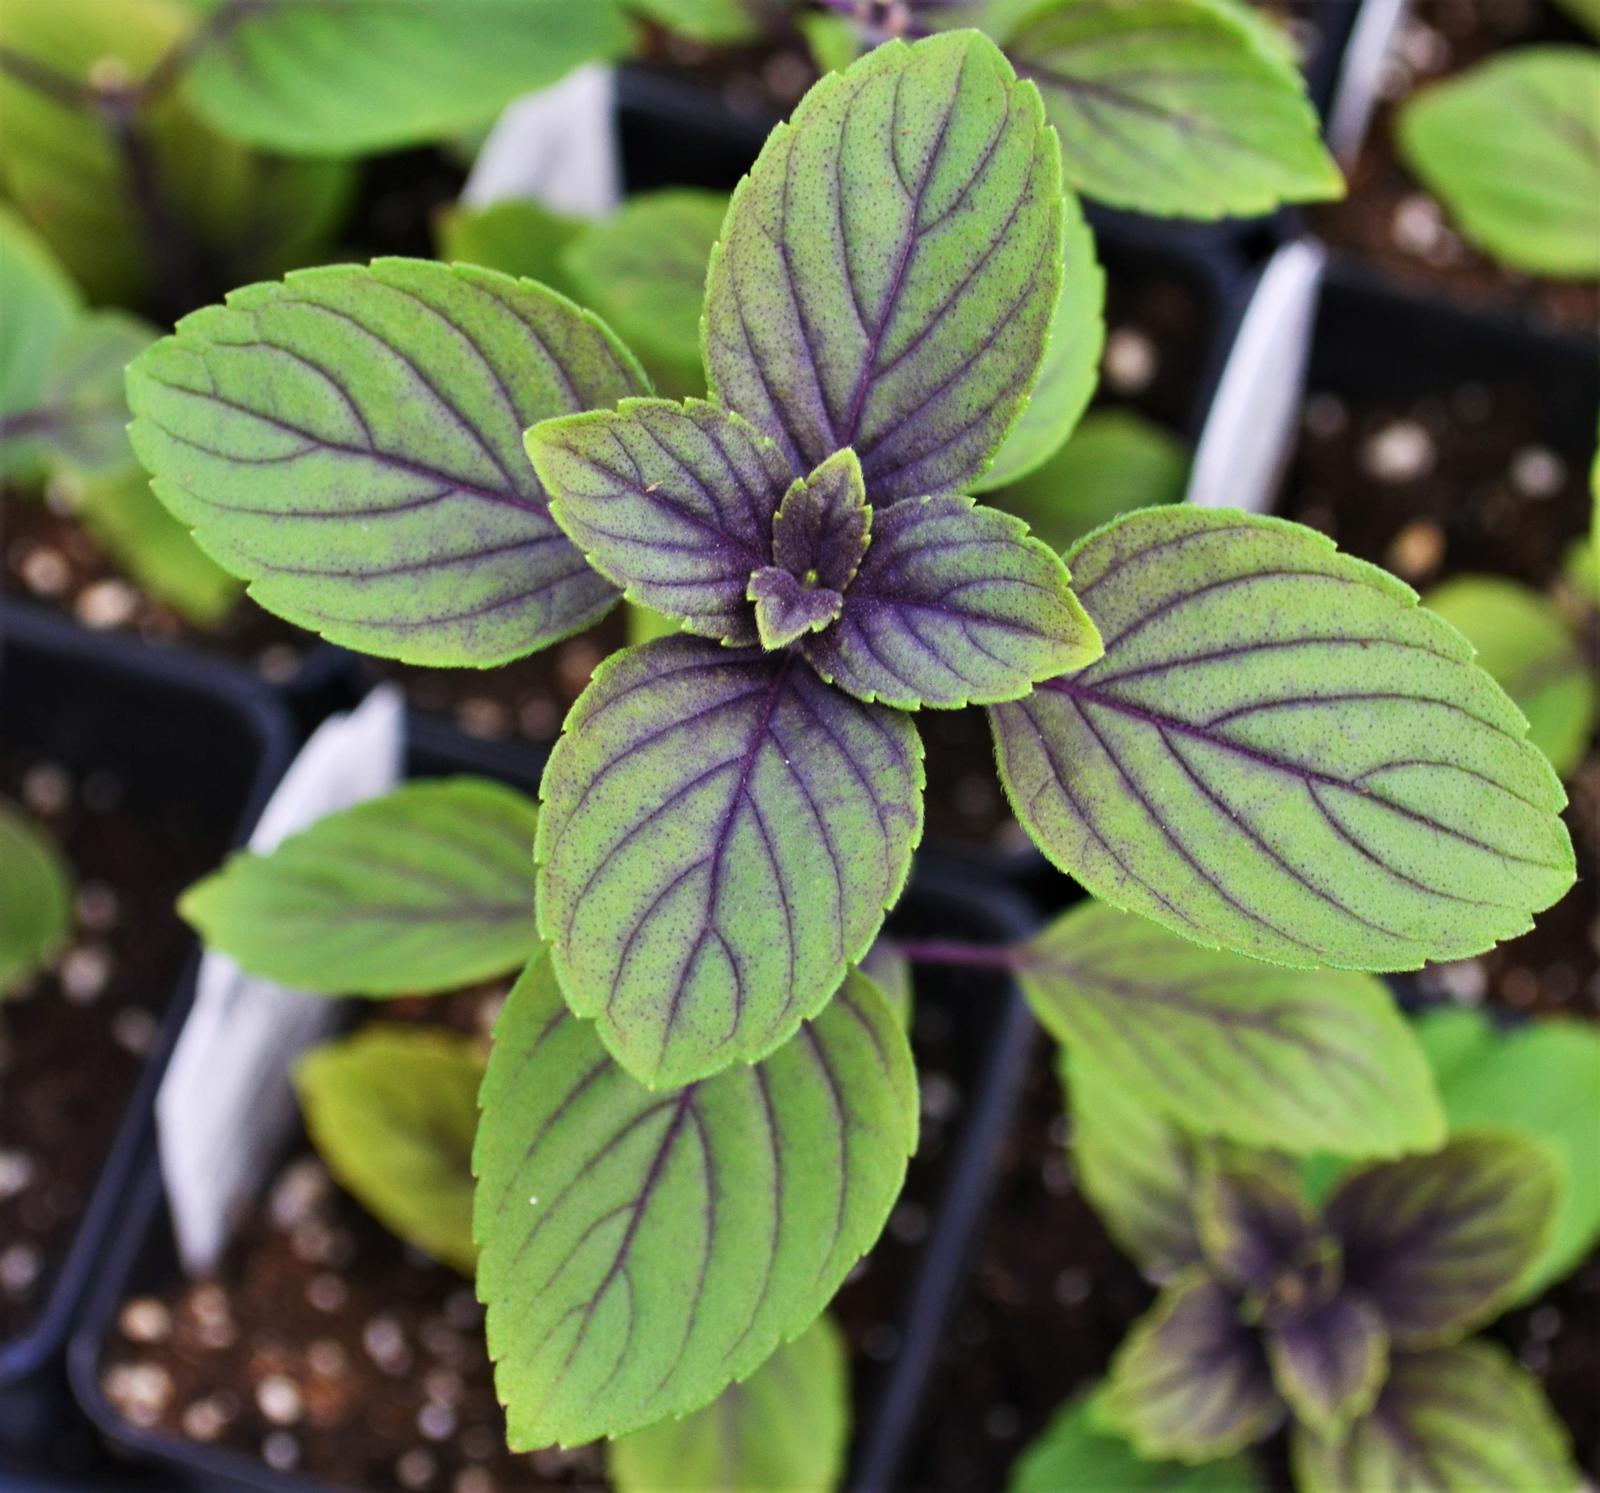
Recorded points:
(962, 955)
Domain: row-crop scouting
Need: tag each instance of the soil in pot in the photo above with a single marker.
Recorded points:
(1390, 219)
(73, 1044)
(328, 1347)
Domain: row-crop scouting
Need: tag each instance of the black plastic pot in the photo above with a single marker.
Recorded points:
(981, 1023)
(176, 730)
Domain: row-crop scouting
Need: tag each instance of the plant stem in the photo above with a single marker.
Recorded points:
(961, 955)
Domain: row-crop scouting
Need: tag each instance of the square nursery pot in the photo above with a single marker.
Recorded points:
(971, 1034)
(146, 766)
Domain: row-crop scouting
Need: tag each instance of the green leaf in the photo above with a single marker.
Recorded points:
(1585, 12)
(954, 604)
(350, 442)
(785, 1427)
(1190, 1381)
(41, 306)
(720, 836)
(1524, 641)
(1076, 1451)
(1540, 1080)
(392, 1111)
(1329, 1362)
(370, 75)
(644, 270)
(82, 413)
(148, 544)
(832, 39)
(1512, 149)
(714, 22)
(1439, 1242)
(1113, 463)
(1466, 1419)
(1174, 107)
(1071, 367)
(890, 971)
(516, 237)
(425, 889)
(889, 268)
(1280, 753)
(35, 900)
(1134, 1165)
(671, 502)
(64, 171)
(641, 1250)
(1229, 1046)
(1070, 371)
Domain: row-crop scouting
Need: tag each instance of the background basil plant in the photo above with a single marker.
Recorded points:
(697, 1111)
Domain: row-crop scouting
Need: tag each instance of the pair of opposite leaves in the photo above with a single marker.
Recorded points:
(1277, 752)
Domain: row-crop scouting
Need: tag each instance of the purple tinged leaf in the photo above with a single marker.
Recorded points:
(1465, 1419)
(1330, 1362)
(671, 502)
(786, 610)
(1190, 1381)
(1254, 1228)
(350, 441)
(1281, 754)
(720, 836)
(889, 268)
(955, 604)
(1440, 1241)
(823, 526)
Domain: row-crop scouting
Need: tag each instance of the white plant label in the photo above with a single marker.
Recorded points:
(226, 1104)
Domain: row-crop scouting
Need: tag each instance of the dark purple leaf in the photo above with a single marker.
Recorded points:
(954, 604)
(1329, 1363)
(672, 502)
(1254, 1227)
(889, 269)
(1439, 1242)
(786, 610)
(1190, 1380)
(824, 525)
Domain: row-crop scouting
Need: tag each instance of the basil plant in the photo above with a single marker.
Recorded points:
(697, 1113)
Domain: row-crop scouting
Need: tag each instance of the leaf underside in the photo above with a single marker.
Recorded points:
(1230, 1046)
(720, 836)
(1280, 753)
(642, 1250)
(425, 889)
(350, 442)
(889, 268)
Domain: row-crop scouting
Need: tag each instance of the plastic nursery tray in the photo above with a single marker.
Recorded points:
(175, 729)
(983, 1026)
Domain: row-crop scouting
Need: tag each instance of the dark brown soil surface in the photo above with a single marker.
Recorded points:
(73, 1044)
(1389, 218)
(328, 1346)
(53, 559)
(1460, 478)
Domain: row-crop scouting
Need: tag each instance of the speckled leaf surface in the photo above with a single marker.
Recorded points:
(643, 1250)
(1512, 148)
(425, 889)
(1071, 368)
(1175, 107)
(1467, 1419)
(1280, 753)
(786, 1427)
(367, 75)
(393, 1110)
(824, 524)
(35, 900)
(1229, 1046)
(1190, 1381)
(954, 604)
(350, 442)
(720, 836)
(673, 502)
(888, 270)
(1440, 1242)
